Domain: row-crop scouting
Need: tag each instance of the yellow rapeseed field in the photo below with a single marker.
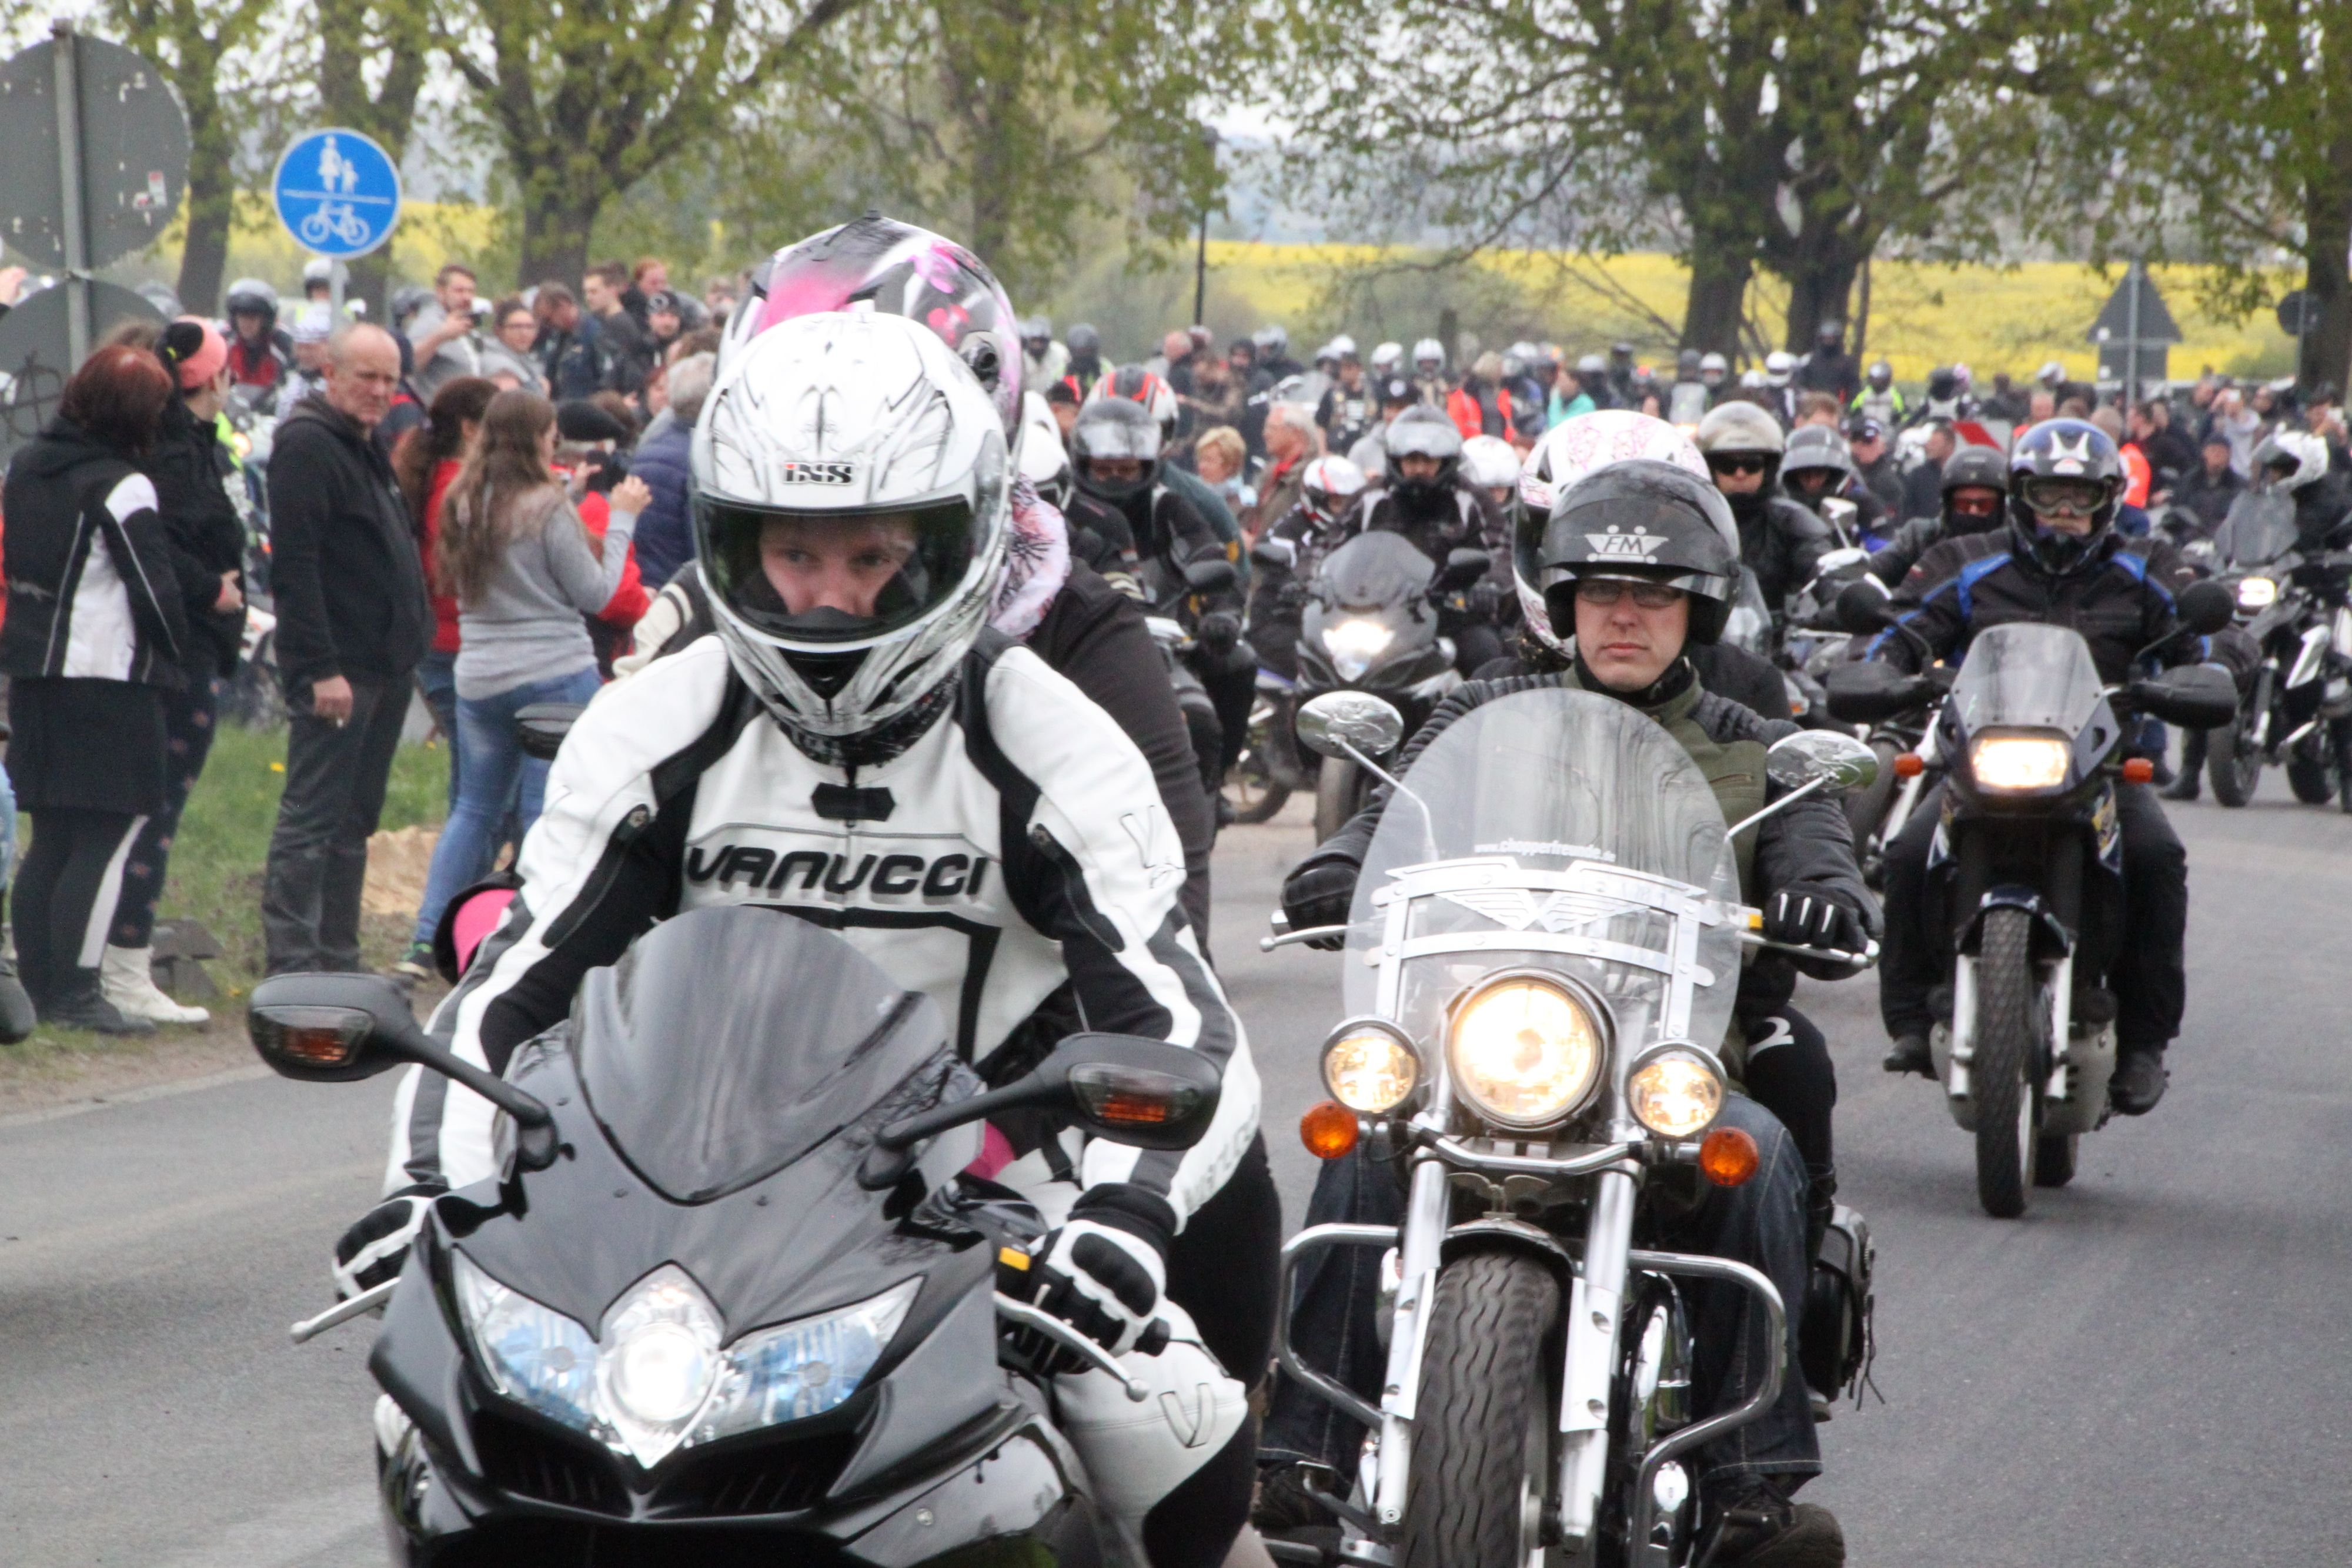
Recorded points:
(1994, 318)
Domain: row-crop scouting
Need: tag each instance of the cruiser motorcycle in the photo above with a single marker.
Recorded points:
(1371, 625)
(1542, 960)
(2025, 879)
(733, 1296)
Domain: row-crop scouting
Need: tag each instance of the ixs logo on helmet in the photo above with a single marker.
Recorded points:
(813, 471)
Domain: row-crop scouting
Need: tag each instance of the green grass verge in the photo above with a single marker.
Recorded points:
(217, 858)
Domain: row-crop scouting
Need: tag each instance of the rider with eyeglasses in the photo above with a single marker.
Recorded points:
(1975, 494)
(2060, 562)
(1780, 541)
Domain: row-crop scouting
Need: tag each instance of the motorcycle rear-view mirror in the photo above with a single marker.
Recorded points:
(2194, 697)
(1862, 607)
(1144, 1092)
(1273, 553)
(540, 728)
(1834, 760)
(2205, 608)
(1337, 722)
(1867, 692)
(1463, 567)
(1212, 577)
(334, 1028)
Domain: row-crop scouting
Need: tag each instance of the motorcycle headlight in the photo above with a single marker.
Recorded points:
(1524, 1051)
(534, 1354)
(1354, 645)
(657, 1379)
(1676, 1091)
(2019, 761)
(1370, 1070)
(2257, 593)
(807, 1367)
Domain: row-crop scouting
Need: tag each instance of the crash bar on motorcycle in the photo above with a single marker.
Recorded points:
(1468, 1158)
(1070, 1339)
(343, 1312)
(1343, 1398)
(1644, 1499)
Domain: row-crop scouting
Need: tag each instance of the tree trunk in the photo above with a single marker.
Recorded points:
(1818, 288)
(555, 228)
(211, 210)
(2325, 354)
(1711, 312)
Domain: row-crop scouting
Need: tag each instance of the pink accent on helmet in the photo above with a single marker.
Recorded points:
(475, 919)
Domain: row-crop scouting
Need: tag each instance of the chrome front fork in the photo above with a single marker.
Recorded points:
(1595, 1304)
(1425, 1213)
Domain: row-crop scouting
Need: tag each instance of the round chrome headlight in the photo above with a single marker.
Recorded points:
(1524, 1051)
(1674, 1090)
(1369, 1068)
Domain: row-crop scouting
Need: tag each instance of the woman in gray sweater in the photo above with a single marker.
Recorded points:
(524, 569)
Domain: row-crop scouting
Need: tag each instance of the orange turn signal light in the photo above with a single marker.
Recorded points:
(1329, 1130)
(1728, 1157)
(1909, 765)
(2139, 770)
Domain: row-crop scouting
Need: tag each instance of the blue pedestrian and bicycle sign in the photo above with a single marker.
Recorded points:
(337, 194)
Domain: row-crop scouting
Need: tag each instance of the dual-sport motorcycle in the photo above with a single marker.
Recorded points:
(2025, 879)
(733, 1297)
(1540, 965)
(2296, 710)
(1371, 625)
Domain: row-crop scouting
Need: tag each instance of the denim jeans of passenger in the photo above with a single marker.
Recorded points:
(1333, 1326)
(491, 770)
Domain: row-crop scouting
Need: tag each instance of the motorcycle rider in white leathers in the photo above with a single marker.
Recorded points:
(855, 746)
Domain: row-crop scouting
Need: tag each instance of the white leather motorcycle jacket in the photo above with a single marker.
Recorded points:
(1017, 843)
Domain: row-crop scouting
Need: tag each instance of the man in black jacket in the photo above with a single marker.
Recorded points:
(2060, 562)
(352, 625)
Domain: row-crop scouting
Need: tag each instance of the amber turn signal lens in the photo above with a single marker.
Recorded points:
(1727, 1157)
(1909, 765)
(2139, 770)
(1329, 1129)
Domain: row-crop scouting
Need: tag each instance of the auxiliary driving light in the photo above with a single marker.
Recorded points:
(1675, 1091)
(1369, 1068)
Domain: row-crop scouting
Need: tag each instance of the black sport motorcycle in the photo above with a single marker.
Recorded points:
(730, 1299)
(2296, 709)
(2026, 875)
(1371, 625)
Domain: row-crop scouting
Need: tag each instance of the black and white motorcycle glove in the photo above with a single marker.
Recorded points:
(1805, 914)
(1103, 1272)
(1319, 894)
(376, 1249)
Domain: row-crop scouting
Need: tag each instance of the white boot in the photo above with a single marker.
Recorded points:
(129, 984)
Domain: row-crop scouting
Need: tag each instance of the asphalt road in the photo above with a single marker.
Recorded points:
(2150, 1368)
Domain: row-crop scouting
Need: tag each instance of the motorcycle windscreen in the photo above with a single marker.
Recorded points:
(2026, 676)
(2259, 529)
(1547, 778)
(1749, 624)
(1373, 569)
(728, 1043)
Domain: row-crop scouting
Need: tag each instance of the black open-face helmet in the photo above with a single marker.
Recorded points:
(1641, 521)
(1974, 467)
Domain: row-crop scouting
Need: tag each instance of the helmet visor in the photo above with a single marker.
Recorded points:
(836, 577)
(2062, 493)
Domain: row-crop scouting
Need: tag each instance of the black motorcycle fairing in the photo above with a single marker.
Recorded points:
(1380, 578)
(720, 1050)
(1372, 570)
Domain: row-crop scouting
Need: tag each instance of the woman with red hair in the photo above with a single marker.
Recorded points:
(95, 634)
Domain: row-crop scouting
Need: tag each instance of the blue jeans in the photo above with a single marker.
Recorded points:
(491, 767)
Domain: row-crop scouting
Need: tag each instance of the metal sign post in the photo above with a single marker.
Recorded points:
(76, 232)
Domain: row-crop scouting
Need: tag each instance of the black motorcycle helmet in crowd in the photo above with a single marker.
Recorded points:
(1421, 432)
(1974, 467)
(2056, 456)
(1943, 384)
(1114, 427)
(1640, 520)
(1818, 451)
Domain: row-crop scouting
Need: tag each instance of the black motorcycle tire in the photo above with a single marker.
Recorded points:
(2233, 763)
(2339, 740)
(2054, 1158)
(1338, 795)
(2313, 779)
(2002, 1074)
(1252, 788)
(1481, 1462)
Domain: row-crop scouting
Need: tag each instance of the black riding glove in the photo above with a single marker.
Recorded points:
(1318, 893)
(1808, 914)
(1219, 630)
